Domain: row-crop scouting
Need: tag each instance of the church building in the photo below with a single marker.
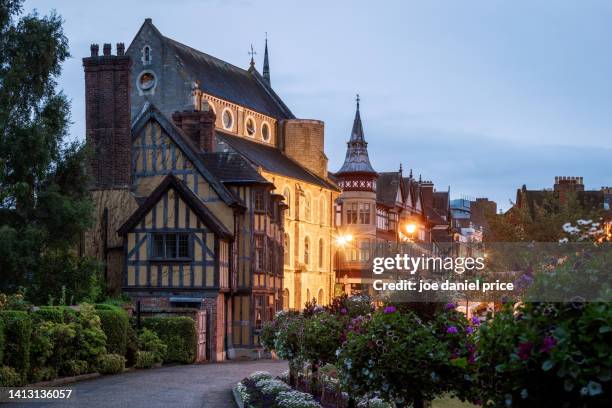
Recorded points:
(211, 196)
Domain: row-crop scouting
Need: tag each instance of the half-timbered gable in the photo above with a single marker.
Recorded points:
(172, 241)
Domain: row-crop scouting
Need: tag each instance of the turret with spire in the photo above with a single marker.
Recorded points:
(266, 64)
(357, 170)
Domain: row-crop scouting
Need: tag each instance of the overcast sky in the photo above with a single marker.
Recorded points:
(483, 96)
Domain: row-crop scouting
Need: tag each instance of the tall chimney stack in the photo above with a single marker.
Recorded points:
(107, 116)
(198, 123)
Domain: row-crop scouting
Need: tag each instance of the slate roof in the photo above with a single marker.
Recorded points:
(357, 159)
(232, 168)
(386, 188)
(229, 82)
(193, 201)
(272, 159)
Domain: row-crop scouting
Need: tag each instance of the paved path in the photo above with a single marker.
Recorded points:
(192, 386)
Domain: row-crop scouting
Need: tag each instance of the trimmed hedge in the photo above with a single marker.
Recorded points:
(111, 364)
(48, 314)
(115, 325)
(179, 334)
(1, 340)
(18, 332)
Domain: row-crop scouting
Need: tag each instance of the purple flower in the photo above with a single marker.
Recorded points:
(343, 310)
(390, 309)
(452, 330)
(470, 329)
(475, 320)
(548, 344)
(524, 350)
(449, 306)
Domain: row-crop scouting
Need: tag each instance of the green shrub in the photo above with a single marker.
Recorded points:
(9, 377)
(74, 367)
(91, 340)
(131, 346)
(111, 364)
(18, 331)
(48, 314)
(43, 374)
(145, 359)
(179, 333)
(1, 340)
(149, 341)
(42, 344)
(115, 325)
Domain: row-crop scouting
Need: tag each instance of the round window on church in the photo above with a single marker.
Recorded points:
(250, 126)
(265, 131)
(228, 119)
(146, 82)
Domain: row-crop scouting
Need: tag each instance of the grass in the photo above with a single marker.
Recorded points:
(450, 403)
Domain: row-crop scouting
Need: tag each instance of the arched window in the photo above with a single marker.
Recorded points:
(146, 55)
(321, 297)
(286, 299)
(321, 252)
(287, 250)
(307, 207)
(322, 214)
(306, 251)
(287, 195)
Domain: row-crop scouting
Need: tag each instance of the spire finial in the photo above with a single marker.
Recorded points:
(252, 53)
(357, 98)
(410, 175)
(420, 179)
(266, 65)
(400, 169)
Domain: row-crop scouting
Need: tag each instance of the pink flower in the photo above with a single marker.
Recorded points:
(390, 309)
(548, 344)
(524, 350)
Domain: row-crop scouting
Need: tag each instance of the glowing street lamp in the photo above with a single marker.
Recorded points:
(343, 239)
(411, 228)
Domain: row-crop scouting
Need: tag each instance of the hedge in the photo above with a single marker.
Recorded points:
(179, 334)
(48, 314)
(18, 331)
(115, 325)
(1, 340)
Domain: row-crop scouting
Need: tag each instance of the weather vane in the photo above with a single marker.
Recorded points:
(252, 53)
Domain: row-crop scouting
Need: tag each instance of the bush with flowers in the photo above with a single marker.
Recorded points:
(397, 357)
(284, 335)
(547, 354)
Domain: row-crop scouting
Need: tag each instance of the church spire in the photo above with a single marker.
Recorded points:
(357, 159)
(266, 65)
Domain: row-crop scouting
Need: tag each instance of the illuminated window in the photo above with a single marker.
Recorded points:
(351, 213)
(364, 213)
(307, 251)
(146, 81)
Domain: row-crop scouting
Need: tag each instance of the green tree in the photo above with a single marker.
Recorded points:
(44, 201)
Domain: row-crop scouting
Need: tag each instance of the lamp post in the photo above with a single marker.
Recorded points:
(342, 241)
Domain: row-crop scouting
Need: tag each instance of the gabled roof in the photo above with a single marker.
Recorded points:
(196, 205)
(150, 112)
(272, 159)
(232, 168)
(387, 186)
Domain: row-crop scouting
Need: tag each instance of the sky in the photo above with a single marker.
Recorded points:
(479, 95)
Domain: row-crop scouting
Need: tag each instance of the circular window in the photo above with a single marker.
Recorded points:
(228, 119)
(265, 131)
(146, 82)
(250, 126)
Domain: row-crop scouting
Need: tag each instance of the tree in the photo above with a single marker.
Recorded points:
(44, 200)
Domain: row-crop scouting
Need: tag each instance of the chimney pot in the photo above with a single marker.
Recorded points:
(94, 50)
(106, 50)
(120, 49)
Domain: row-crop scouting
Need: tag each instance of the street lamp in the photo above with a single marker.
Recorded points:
(342, 241)
(411, 228)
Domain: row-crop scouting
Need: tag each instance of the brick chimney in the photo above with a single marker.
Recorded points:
(198, 125)
(107, 116)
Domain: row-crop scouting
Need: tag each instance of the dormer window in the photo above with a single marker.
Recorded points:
(146, 55)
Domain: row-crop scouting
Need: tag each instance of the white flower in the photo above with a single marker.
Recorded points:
(563, 240)
(259, 375)
(584, 222)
